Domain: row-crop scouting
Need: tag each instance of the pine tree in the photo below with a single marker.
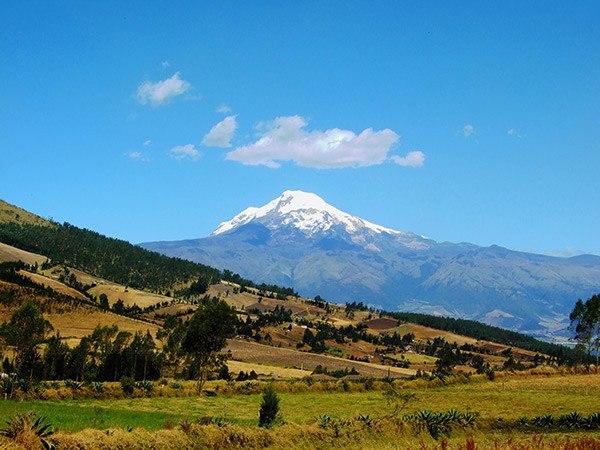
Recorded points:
(269, 408)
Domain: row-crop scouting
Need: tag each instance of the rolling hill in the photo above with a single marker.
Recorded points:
(301, 241)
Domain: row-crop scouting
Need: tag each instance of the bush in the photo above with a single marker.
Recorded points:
(269, 408)
(26, 429)
(127, 384)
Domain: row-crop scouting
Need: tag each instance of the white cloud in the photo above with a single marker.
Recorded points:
(286, 139)
(221, 134)
(412, 159)
(147, 142)
(468, 130)
(162, 91)
(138, 156)
(185, 151)
(514, 133)
(224, 109)
(165, 64)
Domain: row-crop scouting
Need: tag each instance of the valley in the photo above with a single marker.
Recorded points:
(327, 361)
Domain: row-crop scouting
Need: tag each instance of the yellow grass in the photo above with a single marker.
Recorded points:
(11, 213)
(129, 296)
(252, 352)
(264, 369)
(73, 325)
(53, 284)
(9, 253)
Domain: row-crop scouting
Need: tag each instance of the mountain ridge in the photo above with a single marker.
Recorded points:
(348, 258)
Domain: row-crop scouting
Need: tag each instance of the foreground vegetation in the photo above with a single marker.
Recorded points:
(365, 378)
(513, 409)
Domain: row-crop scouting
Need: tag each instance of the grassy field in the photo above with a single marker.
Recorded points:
(252, 352)
(507, 398)
(10, 253)
(12, 213)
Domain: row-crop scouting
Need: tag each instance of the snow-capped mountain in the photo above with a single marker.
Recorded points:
(312, 216)
(299, 240)
(305, 211)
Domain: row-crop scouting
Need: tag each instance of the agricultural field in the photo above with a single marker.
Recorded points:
(10, 253)
(494, 403)
(252, 352)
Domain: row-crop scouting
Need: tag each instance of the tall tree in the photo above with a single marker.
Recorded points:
(585, 320)
(25, 330)
(213, 322)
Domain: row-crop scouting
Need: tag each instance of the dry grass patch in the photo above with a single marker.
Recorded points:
(53, 284)
(12, 213)
(129, 296)
(264, 369)
(73, 325)
(10, 253)
(257, 353)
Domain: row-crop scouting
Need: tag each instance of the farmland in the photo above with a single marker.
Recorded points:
(495, 402)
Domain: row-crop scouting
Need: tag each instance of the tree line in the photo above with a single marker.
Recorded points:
(189, 349)
(481, 331)
(117, 260)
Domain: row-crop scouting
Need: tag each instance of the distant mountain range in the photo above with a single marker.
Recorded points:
(300, 241)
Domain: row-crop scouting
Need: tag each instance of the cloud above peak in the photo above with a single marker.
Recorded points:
(468, 130)
(287, 139)
(412, 159)
(161, 92)
(185, 152)
(221, 134)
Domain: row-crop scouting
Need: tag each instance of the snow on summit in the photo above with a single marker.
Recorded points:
(303, 210)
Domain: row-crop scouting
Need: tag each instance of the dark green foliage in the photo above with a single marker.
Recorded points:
(480, 331)
(244, 376)
(29, 423)
(282, 292)
(109, 258)
(438, 424)
(207, 331)
(446, 359)
(25, 331)
(128, 385)
(9, 273)
(565, 422)
(224, 373)
(269, 408)
(585, 319)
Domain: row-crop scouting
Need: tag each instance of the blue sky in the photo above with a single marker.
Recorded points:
(470, 121)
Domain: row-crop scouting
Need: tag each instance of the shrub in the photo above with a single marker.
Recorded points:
(74, 385)
(7, 387)
(23, 384)
(26, 428)
(146, 386)
(127, 384)
(269, 408)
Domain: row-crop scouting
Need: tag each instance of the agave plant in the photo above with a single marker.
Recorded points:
(571, 420)
(74, 385)
(146, 386)
(7, 387)
(592, 422)
(523, 422)
(323, 421)
(366, 420)
(23, 384)
(29, 422)
(468, 419)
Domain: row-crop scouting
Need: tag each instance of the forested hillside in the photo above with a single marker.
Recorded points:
(478, 330)
(104, 257)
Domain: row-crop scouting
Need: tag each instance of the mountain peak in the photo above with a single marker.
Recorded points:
(302, 210)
